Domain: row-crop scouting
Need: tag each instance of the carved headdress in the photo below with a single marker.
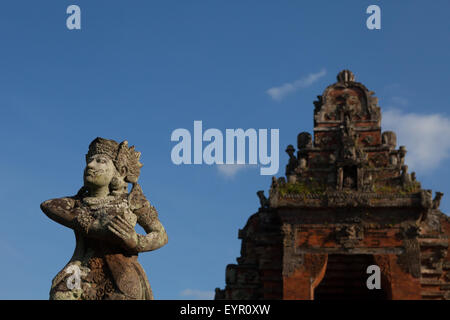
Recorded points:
(120, 154)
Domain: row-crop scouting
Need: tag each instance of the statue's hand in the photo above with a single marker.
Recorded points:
(124, 231)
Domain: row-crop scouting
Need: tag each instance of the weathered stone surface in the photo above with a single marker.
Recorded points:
(347, 201)
(103, 215)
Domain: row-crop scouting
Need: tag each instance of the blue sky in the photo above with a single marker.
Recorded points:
(137, 70)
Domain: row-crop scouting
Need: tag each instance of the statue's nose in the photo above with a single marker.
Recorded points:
(91, 164)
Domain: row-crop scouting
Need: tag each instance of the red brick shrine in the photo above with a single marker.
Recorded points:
(347, 202)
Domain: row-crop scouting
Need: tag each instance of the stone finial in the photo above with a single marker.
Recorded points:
(402, 153)
(437, 200)
(389, 138)
(304, 140)
(264, 202)
(219, 294)
(345, 76)
(290, 151)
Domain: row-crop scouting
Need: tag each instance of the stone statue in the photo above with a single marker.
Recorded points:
(103, 215)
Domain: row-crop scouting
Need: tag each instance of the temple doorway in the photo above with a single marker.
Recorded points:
(345, 279)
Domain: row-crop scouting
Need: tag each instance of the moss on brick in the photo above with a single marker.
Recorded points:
(302, 188)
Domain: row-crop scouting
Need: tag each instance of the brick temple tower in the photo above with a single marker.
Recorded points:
(347, 202)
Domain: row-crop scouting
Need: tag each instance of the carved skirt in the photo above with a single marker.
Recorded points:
(106, 277)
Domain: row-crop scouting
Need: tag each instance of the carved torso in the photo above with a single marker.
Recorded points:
(107, 271)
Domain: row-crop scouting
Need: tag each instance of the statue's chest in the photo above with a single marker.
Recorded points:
(104, 212)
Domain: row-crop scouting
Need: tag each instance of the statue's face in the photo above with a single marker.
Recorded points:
(99, 171)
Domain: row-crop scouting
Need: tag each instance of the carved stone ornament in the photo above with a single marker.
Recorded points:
(349, 236)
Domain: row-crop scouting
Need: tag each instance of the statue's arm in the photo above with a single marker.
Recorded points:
(61, 211)
(66, 212)
(156, 236)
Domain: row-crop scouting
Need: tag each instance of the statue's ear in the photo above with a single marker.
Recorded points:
(123, 171)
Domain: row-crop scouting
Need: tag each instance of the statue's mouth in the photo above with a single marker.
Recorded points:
(92, 173)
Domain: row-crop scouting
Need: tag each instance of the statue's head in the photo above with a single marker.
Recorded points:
(109, 163)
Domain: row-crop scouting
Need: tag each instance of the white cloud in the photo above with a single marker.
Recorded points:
(197, 294)
(278, 93)
(230, 170)
(426, 137)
